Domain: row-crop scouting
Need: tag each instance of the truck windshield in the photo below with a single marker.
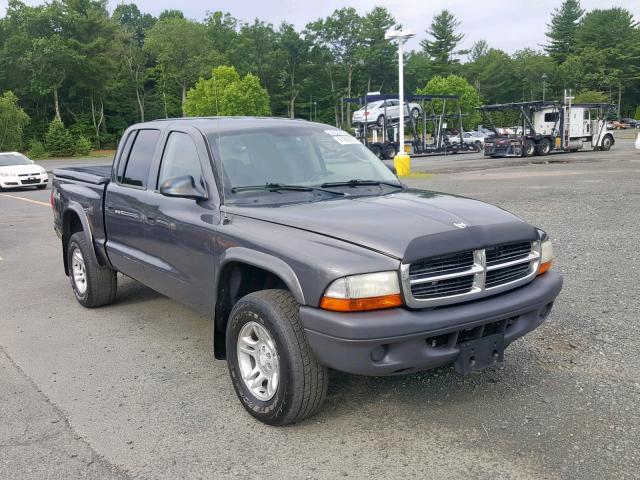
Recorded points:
(301, 156)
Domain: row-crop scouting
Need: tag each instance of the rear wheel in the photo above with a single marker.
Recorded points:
(390, 151)
(376, 150)
(544, 147)
(274, 372)
(92, 284)
(380, 121)
(529, 149)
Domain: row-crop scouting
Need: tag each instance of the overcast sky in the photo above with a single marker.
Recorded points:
(506, 24)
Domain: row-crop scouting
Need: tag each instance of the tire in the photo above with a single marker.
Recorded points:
(380, 121)
(528, 149)
(100, 283)
(41, 187)
(376, 150)
(302, 383)
(390, 151)
(607, 142)
(415, 113)
(543, 148)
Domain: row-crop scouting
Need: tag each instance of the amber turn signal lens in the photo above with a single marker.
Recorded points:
(544, 268)
(360, 304)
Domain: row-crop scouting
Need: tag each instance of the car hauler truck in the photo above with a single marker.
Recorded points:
(550, 126)
(376, 124)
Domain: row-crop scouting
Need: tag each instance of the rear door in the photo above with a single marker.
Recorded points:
(125, 203)
(180, 232)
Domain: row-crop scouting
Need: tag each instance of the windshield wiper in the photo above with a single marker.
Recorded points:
(356, 183)
(276, 187)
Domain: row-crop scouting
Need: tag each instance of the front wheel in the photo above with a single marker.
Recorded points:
(607, 141)
(415, 113)
(274, 372)
(92, 284)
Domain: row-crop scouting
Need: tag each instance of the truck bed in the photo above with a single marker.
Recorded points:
(94, 174)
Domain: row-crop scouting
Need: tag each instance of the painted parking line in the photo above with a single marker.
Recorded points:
(44, 204)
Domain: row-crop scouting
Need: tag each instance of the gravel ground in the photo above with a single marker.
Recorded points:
(132, 391)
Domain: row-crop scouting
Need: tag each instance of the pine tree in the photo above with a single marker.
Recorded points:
(445, 40)
(562, 29)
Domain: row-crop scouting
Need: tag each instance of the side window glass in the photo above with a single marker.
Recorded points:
(180, 158)
(124, 155)
(137, 170)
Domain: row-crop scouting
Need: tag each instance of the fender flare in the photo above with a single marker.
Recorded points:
(76, 208)
(265, 261)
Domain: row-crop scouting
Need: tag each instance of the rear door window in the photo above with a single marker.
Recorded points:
(136, 171)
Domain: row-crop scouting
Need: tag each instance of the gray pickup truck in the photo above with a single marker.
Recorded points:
(306, 252)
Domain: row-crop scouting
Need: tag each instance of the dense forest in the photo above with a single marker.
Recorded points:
(98, 71)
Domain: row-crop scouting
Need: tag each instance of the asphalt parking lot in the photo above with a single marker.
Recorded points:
(132, 390)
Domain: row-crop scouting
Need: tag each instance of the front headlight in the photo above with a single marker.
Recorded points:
(371, 291)
(6, 174)
(546, 254)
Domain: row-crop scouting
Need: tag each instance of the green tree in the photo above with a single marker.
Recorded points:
(341, 34)
(13, 119)
(182, 50)
(225, 93)
(469, 100)
(590, 96)
(58, 141)
(444, 41)
(562, 30)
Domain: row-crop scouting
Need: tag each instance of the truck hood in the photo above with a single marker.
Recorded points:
(407, 225)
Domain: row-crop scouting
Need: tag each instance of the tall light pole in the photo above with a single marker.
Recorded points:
(401, 160)
(544, 84)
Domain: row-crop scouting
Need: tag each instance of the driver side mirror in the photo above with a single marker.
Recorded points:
(182, 187)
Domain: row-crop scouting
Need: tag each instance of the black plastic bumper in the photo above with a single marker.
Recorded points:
(400, 340)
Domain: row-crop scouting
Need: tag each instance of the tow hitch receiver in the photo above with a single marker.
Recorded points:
(481, 353)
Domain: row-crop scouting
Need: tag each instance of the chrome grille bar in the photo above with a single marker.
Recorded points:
(508, 269)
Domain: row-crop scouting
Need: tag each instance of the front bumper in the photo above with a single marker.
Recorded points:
(18, 182)
(399, 340)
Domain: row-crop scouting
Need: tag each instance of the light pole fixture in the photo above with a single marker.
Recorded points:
(544, 84)
(401, 160)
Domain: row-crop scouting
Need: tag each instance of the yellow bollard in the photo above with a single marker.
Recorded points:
(402, 162)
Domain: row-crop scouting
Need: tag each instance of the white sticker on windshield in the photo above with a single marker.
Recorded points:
(346, 139)
(335, 133)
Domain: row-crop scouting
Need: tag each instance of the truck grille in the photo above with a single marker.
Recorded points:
(463, 276)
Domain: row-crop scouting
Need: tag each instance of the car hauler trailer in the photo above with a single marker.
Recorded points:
(380, 134)
(550, 126)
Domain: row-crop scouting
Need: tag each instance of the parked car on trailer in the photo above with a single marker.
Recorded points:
(16, 171)
(374, 112)
(476, 138)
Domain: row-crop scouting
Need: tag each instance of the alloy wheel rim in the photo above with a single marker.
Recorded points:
(258, 361)
(79, 271)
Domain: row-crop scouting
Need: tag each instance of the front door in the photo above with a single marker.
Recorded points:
(180, 232)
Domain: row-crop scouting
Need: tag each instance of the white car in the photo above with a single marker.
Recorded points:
(16, 171)
(638, 142)
(468, 137)
(375, 111)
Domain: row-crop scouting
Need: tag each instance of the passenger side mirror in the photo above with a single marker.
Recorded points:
(182, 187)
